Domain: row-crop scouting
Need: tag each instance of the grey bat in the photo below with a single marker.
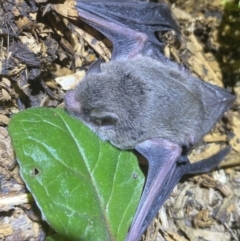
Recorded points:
(141, 100)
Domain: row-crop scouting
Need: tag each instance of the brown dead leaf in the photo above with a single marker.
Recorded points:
(224, 189)
(223, 214)
(5, 230)
(17, 70)
(15, 174)
(23, 228)
(65, 9)
(181, 14)
(24, 23)
(207, 235)
(30, 41)
(60, 71)
(202, 219)
(234, 118)
(8, 201)
(206, 180)
(9, 184)
(5, 95)
(4, 120)
(205, 152)
(98, 46)
(232, 159)
(6, 83)
(215, 137)
(6, 151)
(68, 82)
(173, 236)
(237, 93)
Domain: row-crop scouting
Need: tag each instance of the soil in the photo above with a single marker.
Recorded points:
(43, 55)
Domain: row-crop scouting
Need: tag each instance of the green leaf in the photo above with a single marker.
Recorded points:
(86, 188)
(55, 237)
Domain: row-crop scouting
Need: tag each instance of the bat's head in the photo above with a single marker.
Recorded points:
(89, 106)
(108, 102)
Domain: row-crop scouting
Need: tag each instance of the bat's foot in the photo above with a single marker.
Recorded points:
(186, 149)
(182, 160)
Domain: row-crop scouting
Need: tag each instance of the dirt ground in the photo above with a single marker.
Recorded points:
(42, 55)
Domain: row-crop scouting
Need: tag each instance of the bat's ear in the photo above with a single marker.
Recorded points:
(104, 119)
(95, 68)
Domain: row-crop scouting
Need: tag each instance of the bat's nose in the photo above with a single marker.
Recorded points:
(71, 104)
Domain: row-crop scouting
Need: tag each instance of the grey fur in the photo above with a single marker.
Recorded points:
(150, 99)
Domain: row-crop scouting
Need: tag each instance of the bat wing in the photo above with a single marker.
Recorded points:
(216, 101)
(164, 173)
(131, 26)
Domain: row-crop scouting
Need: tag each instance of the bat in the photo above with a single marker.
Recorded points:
(141, 100)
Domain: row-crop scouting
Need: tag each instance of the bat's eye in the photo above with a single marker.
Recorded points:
(86, 111)
(106, 120)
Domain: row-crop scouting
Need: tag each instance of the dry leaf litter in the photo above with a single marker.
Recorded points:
(42, 55)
